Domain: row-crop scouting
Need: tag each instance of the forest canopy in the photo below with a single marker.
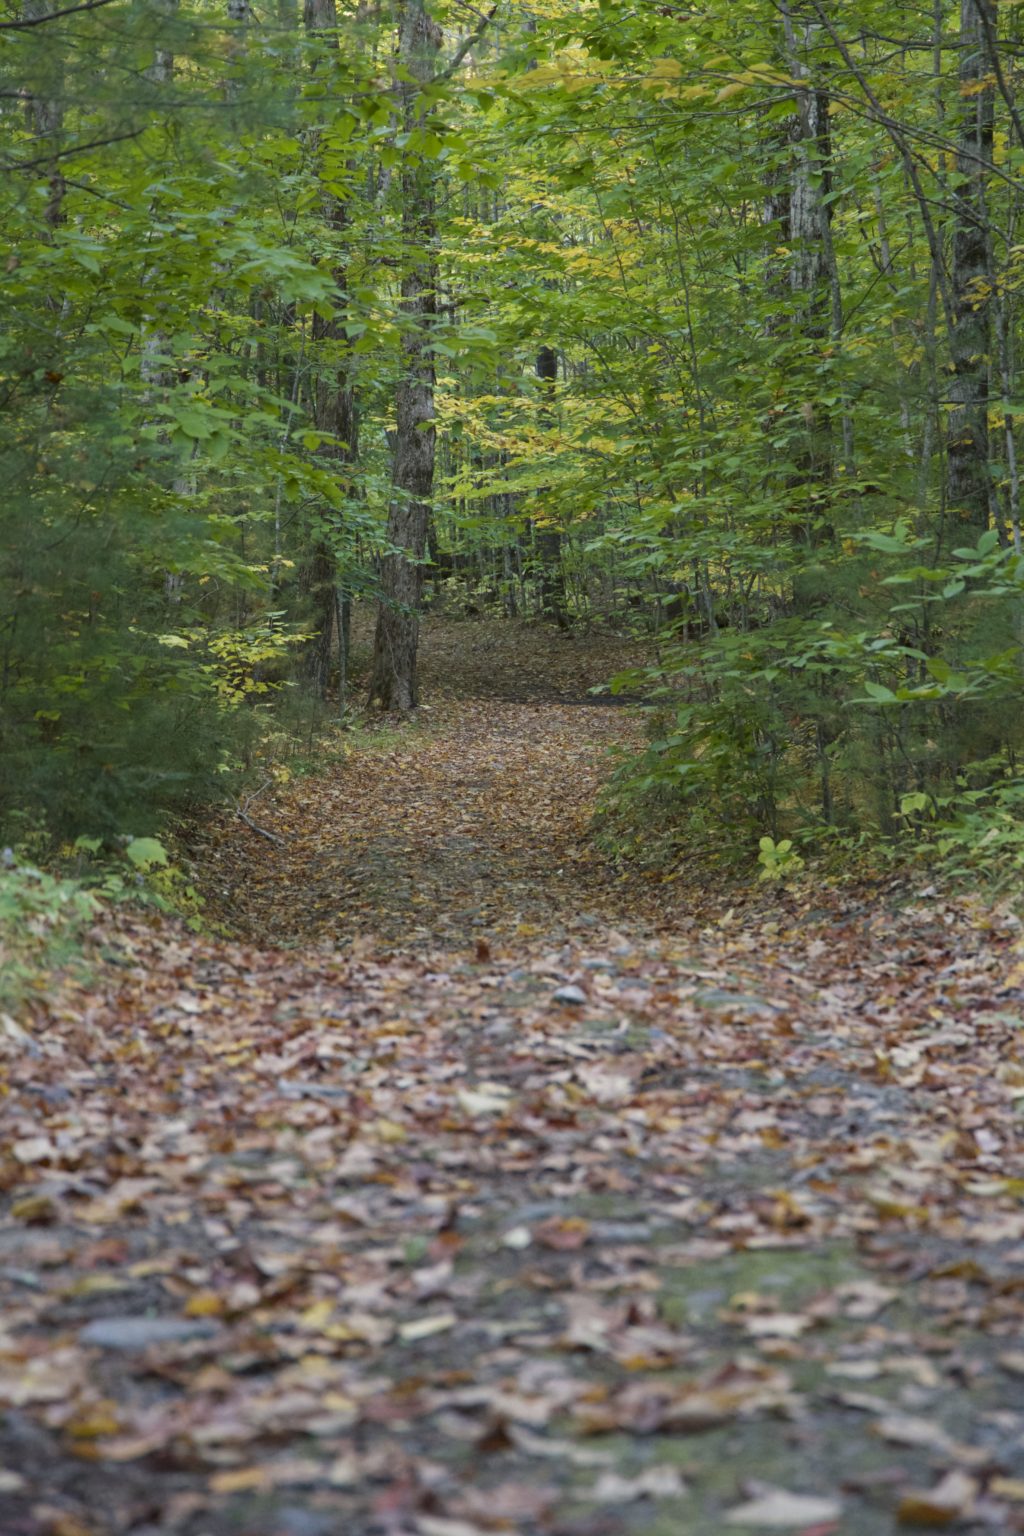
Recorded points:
(697, 319)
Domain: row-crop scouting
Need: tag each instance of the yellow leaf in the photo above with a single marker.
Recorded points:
(93, 1285)
(318, 1314)
(665, 69)
(93, 1423)
(426, 1327)
(204, 1304)
(35, 1210)
(240, 1480)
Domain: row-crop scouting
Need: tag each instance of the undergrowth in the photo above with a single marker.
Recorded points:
(44, 920)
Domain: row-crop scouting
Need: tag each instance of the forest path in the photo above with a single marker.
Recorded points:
(655, 1223)
(470, 824)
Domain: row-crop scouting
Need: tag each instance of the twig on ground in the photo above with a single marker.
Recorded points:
(240, 812)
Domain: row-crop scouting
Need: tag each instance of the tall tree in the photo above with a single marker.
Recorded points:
(45, 111)
(547, 535)
(333, 398)
(969, 479)
(814, 278)
(396, 642)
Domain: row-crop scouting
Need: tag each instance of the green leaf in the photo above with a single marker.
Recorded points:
(194, 423)
(146, 852)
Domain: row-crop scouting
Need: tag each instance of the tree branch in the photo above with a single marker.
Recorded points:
(61, 154)
(467, 43)
(38, 21)
(897, 135)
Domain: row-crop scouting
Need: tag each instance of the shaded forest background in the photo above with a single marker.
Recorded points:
(696, 321)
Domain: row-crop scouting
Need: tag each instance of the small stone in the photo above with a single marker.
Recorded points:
(131, 1333)
(571, 994)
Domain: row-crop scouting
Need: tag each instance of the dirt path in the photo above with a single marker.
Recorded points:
(525, 1199)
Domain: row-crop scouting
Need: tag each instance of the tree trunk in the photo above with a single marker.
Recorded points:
(333, 409)
(45, 114)
(813, 276)
(549, 539)
(397, 639)
(157, 376)
(968, 480)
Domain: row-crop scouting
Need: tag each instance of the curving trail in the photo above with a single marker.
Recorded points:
(522, 1197)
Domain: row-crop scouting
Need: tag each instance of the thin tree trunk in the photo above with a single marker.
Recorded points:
(549, 538)
(157, 377)
(45, 115)
(333, 409)
(396, 643)
(968, 479)
(800, 212)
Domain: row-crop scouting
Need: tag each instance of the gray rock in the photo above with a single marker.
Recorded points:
(131, 1333)
(574, 995)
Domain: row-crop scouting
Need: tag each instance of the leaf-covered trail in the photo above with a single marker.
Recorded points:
(471, 825)
(646, 1224)
(476, 825)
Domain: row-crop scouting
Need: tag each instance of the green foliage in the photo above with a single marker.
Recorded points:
(165, 288)
(778, 860)
(976, 829)
(43, 920)
(811, 726)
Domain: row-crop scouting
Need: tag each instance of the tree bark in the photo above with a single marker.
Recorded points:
(549, 539)
(394, 681)
(333, 409)
(968, 479)
(45, 114)
(157, 377)
(813, 275)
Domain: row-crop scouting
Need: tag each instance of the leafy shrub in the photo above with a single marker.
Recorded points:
(43, 919)
(903, 725)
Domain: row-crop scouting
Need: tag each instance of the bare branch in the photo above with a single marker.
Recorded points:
(38, 21)
(62, 154)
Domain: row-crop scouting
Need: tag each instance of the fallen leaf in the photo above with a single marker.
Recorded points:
(241, 1480)
(485, 1099)
(1009, 1488)
(426, 1327)
(951, 1499)
(654, 1483)
(779, 1510)
(565, 1234)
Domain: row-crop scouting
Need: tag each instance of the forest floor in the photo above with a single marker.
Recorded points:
(477, 1187)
